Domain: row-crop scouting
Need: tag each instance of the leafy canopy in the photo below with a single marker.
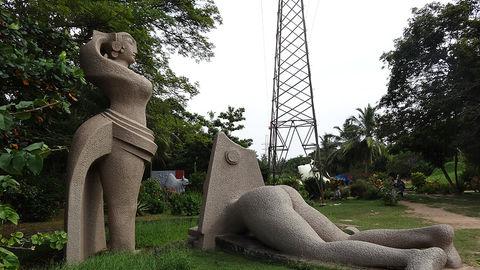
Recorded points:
(160, 27)
(433, 100)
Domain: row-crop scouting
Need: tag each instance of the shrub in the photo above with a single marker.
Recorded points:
(35, 202)
(435, 187)
(196, 180)
(377, 179)
(418, 180)
(364, 190)
(405, 163)
(372, 193)
(188, 203)
(151, 198)
(290, 180)
(358, 188)
(311, 187)
(389, 194)
(471, 177)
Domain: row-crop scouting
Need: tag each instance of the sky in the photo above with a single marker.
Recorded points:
(345, 38)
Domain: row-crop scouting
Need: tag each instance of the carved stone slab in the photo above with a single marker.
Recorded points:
(233, 170)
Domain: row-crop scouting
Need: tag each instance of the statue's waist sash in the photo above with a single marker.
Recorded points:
(133, 136)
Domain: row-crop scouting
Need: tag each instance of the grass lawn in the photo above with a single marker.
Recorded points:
(467, 204)
(168, 234)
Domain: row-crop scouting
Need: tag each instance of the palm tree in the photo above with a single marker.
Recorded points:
(329, 145)
(358, 141)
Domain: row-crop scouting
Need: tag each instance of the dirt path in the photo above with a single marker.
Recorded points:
(438, 215)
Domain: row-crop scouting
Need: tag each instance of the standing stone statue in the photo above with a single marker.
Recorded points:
(236, 201)
(109, 151)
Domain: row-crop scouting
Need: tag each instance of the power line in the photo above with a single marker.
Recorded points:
(264, 51)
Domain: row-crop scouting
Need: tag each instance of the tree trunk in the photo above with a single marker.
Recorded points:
(457, 182)
(456, 165)
(447, 176)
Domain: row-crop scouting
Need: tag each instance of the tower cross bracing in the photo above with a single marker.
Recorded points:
(293, 111)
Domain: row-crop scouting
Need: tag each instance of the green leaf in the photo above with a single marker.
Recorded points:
(24, 105)
(7, 182)
(34, 163)
(34, 146)
(6, 121)
(37, 239)
(19, 161)
(66, 106)
(7, 213)
(14, 26)
(4, 108)
(5, 160)
(8, 260)
(40, 102)
(62, 56)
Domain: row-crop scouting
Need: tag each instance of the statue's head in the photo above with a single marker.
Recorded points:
(120, 47)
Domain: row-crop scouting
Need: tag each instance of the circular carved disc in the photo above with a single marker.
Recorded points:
(232, 157)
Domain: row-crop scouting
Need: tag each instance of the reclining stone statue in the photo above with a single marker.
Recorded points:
(236, 201)
(109, 151)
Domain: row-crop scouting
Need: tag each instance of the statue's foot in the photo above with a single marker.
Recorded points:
(427, 259)
(444, 235)
(453, 258)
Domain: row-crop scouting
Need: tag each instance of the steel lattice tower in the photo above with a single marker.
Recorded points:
(293, 111)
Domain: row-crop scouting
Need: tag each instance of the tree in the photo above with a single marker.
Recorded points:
(227, 122)
(433, 100)
(49, 81)
(357, 138)
(329, 158)
(160, 27)
(185, 139)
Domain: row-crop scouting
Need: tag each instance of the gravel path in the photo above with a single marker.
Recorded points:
(438, 215)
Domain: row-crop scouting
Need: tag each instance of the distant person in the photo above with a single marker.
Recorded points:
(399, 185)
(338, 194)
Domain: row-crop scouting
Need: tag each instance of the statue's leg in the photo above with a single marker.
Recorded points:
(121, 174)
(434, 236)
(269, 214)
(94, 228)
(325, 228)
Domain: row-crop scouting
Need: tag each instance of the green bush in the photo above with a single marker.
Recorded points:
(328, 194)
(405, 163)
(290, 180)
(389, 194)
(311, 187)
(196, 180)
(151, 198)
(435, 188)
(358, 188)
(471, 177)
(35, 202)
(372, 193)
(188, 203)
(418, 180)
(365, 190)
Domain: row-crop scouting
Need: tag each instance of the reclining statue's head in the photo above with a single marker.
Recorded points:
(120, 47)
